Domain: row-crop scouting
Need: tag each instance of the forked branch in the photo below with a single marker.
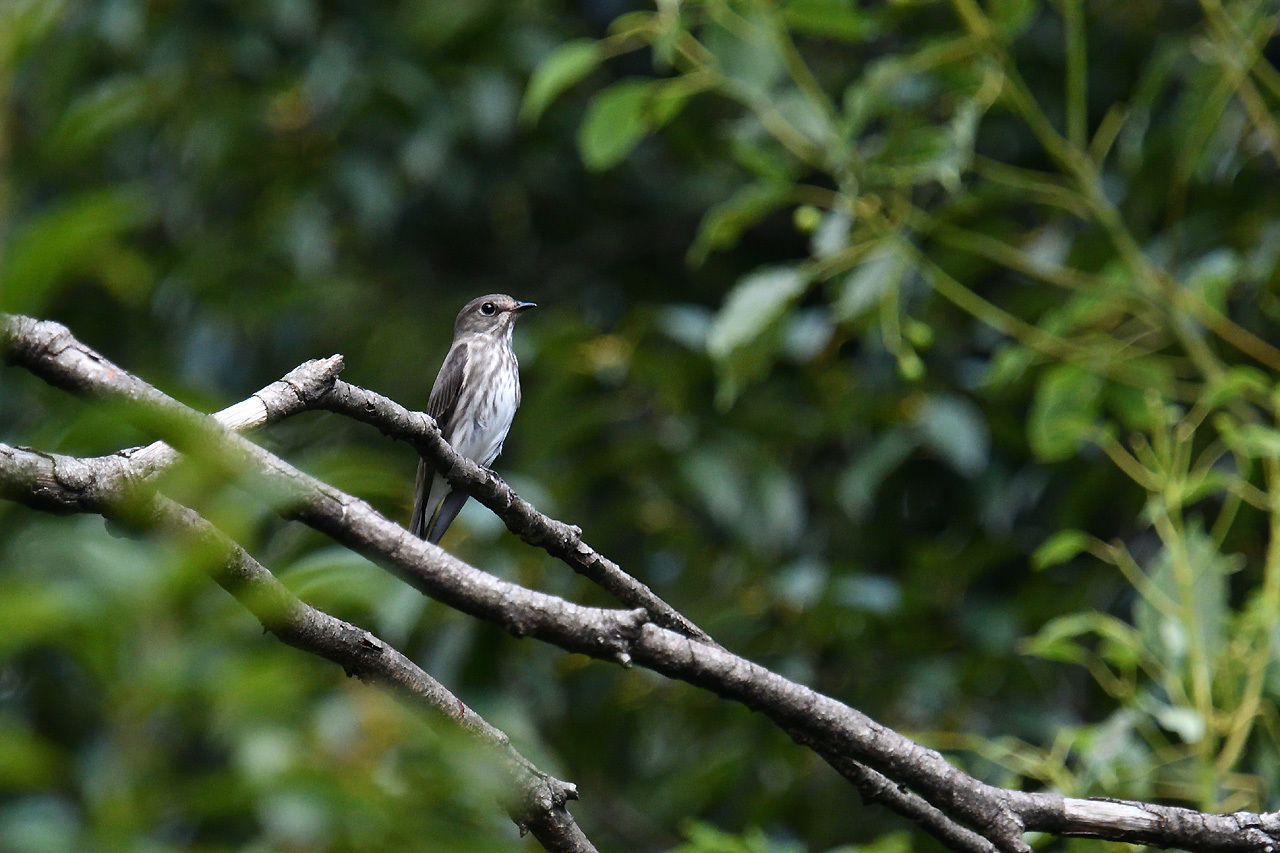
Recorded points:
(964, 812)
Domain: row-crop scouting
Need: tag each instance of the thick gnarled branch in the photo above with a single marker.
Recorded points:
(839, 733)
(560, 540)
(107, 486)
(50, 351)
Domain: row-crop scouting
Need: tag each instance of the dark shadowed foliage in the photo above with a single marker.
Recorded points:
(922, 351)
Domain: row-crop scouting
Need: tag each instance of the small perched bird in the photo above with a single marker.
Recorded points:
(475, 397)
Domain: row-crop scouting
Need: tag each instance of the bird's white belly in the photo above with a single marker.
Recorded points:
(480, 437)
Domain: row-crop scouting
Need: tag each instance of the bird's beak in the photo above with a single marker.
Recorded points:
(521, 307)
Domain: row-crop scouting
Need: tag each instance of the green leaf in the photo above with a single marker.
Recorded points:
(955, 429)
(1012, 17)
(1186, 723)
(1008, 364)
(32, 613)
(705, 838)
(563, 67)
(1060, 547)
(614, 124)
(1064, 412)
(746, 52)
(667, 100)
(745, 336)
(632, 23)
(1059, 639)
(753, 305)
(1255, 441)
(78, 235)
(1238, 383)
(723, 225)
(863, 288)
(1147, 382)
(23, 24)
(1212, 276)
(764, 158)
(1210, 482)
(856, 489)
(27, 761)
(1196, 571)
(94, 117)
(838, 19)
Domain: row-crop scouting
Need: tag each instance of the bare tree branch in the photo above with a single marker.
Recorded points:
(63, 484)
(564, 541)
(297, 391)
(833, 729)
(314, 384)
(50, 351)
(560, 540)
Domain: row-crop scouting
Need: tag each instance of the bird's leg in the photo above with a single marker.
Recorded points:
(494, 474)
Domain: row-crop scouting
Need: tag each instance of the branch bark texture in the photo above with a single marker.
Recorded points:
(110, 486)
(964, 812)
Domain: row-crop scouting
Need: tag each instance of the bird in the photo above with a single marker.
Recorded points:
(473, 401)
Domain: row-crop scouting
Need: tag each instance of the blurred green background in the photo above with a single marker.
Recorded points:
(921, 351)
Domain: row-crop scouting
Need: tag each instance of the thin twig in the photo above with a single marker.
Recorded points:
(560, 540)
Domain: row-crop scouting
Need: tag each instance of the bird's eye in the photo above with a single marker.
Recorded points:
(487, 308)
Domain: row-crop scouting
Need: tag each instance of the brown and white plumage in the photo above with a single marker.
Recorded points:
(474, 400)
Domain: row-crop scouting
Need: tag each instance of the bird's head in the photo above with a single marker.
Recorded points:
(495, 313)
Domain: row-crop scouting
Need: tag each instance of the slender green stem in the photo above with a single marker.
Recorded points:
(1173, 536)
(1077, 73)
(1268, 601)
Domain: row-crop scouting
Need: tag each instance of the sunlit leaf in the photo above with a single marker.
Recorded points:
(955, 429)
(1059, 548)
(1256, 441)
(1185, 722)
(746, 52)
(614, 124)
(837, 19)
(1064, 412)
(1194, 570)
(831, 236)
(1060, 638)
(863, 288)
(563, 67)
(752, 306)
(1238, 382)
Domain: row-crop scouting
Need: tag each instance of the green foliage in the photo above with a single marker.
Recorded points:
(79, 236)
(566, 65)
(726, 222)
(923, 352)
(1064, 412)
(736, 340)
(1059, 548)
(705, 838)
(615, 123)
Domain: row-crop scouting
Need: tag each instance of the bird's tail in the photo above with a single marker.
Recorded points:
(445, 514)
(421, 490)
(435, 505)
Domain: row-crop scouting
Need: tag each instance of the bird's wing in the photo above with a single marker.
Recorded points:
(418, 521)
(444, 394)
(431, 488)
